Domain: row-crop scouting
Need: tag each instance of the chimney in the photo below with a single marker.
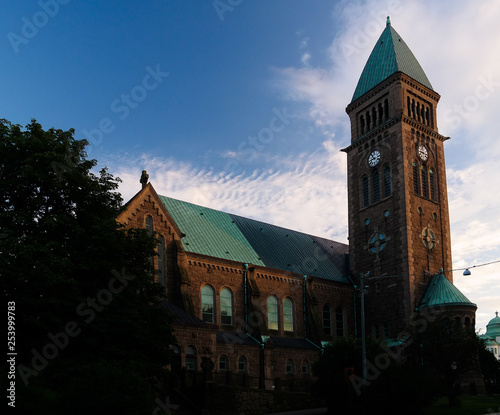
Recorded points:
(144, 178)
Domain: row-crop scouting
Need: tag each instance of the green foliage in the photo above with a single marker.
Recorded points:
(490, 367)
(88, 313)
(447, 350)
(392, 387)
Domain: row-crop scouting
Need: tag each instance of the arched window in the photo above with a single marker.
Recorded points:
(425, 188)
(362, 122)
(161, 260)
(339, 321)
(223, 363)
(175, 360)
(272, 313)
(191, 358)
(327, 320)
(432, 184)
(290, 366)
(386, 109)
(376, 186)
(416, 179)
(467, 322)
(207, 304)
(385, 330)
(148, 222)
(408, 105)
(226, 307)
(287, 315)
(380, 113)
(366, 192)
(242, 364)
(305, 367)
(387, 181)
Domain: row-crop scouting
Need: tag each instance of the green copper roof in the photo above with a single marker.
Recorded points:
(493, 327)
(442, 292)
(222, 235)
(390, 55)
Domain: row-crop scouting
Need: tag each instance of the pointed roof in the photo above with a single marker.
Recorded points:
(222, 235)
(442, 292)
(390, 55)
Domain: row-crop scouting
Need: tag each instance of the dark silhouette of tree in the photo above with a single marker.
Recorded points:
(91, 334)
(447, 350)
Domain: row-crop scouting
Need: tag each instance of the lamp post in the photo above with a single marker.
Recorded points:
(363, 334)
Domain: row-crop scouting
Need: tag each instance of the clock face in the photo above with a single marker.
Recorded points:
(374, 158)
(422, 152)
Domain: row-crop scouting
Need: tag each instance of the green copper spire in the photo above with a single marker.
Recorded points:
(390, 55)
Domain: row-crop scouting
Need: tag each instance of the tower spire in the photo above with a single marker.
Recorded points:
(388, 22)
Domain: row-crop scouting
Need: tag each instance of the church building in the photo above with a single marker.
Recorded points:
(256, 299)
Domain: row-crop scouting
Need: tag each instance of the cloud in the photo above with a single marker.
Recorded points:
(305, 192)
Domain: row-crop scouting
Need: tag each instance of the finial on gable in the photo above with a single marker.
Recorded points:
(144, 178)
(388, 22)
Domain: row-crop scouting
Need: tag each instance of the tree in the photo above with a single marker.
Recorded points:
(91, 333)
(448, 351)
(390, 386)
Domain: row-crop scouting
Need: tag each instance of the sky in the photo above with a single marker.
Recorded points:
(239, 105)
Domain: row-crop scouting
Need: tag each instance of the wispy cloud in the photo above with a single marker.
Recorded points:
(305, 192)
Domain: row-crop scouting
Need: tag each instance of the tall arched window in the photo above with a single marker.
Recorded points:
(223, 363)
(191, 358)
(416, 179)
(207, 304)
(425, 188)
(290, 366)
(380, 113)
(376, 185)
(385, 330)
(148, 222)
(305, 367)
(226, 307)
(366, 192)
(175, 360)
(339, 321)
(161, 260)
(242, 364)
(432, 184)
(287, 315)
(327, 320)
(272, 313)
(387, 181)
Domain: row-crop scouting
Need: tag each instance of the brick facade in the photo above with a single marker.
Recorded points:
(396, 119)
(267, 353)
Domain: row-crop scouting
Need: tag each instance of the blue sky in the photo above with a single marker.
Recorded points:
(239, 105)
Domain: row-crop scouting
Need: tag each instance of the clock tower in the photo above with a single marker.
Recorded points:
(399, 227)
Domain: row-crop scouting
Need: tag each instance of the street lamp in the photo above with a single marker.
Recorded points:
(467, 272)
(363, 336)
